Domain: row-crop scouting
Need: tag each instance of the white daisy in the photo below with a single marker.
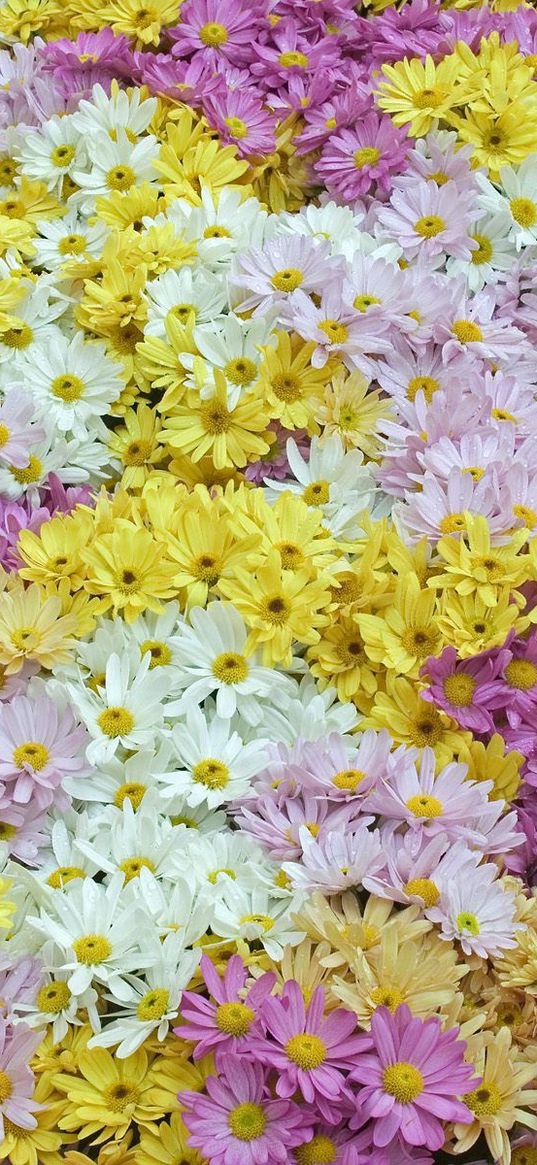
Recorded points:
(211, 658)
(515, 199)
(68, 240)
(154, 636)
(52, 151)
(495, 254)
(331, 480)
(232, 345)
(91, 656)
(336, 223)
(119, 110)
(73, 381)
(222, 225)
(134, 838)
(255, 916)
(216, 765)
(26, 329)
(49, 455)
(311, 714)
(61, 863)
(117, 781)
(116, 166)
(171, 906)
(475, 909)
(127, 710)
(216, 859)
(188, 295)
(55, 1004)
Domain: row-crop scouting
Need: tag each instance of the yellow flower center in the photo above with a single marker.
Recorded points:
(427, 384)
(294, 60)
(292, 556)
(421, 805)
(388, 997)
(19, 337)
(429, 226)
(317, 493)
(53, 998)
(404, 1081)
(288, 279)
(7, 831)
(68, 388)
(237, 127)
(31, 753)
(525, 514)
(133, 791)
(522, 1154)
(211, 773)
(62, 156)
(120, 178)
(4, 435)
(137, 453)
(484, 251)
(153, 1005)
(276, 610)
(348, 779)
(230, 668)
(320, 1150)
(240, 371)
(116, 721)
(64, 874)
(467, 332)
(439, 177)
(247, 1122)
(476, 472)
(459, 689)
(362, 302)
(160, 652)
(6, 1087)
(120, 1096)
(484, 1101)
(503, 415)
(306, 1051)
(72, 245)
(213, 35)
(524, 211)
(216, 232)
(419, 641)
(366, 156)
(468, 922)
(92, 949)
(521, 674)
(213, 876)
(235, 1019)
(429, 98)
(337, 333)
(207, 569)
(287, 388)
(452, 523)
(183, 312)
(263, 920)
(32, 472)
(423, 888)
(131, 867)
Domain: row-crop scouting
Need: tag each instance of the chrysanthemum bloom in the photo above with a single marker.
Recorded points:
(262, 278)
(241, 120)
(516, 686)
(309, 1051)
(17, 1045)
(93, 57)
(237, 1122)
(17, 436)
(466, 689)
(502, 1099)
(365, 156)
(39, 745)
(219, 31)
(427, 220)
(478, 911)
(227, 1021)
(411, 1078)
(443, 803)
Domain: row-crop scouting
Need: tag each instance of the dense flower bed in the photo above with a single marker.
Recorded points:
(268, 546)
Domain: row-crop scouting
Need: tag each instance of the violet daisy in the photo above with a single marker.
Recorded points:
(412, 1078)
(241, 120)
(447, 802)
(466, 689)
(218, 30)
(365, 156)
(227, 1021)
(17, 1045)
(38, 746)
(428, 220)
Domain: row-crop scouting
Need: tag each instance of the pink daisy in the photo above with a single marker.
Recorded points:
(446, 803)
(17, 1045)
(331, 769)
(428, 220)
(366, 156)
(278, 827)
(187, 81)
(237, 1122)
(440, 506)
(241, 120)
(227, 1021)
(218, 30)
(416, 865)
(339, 862)
(16, 436)
(516, 684)
(337, 328)
(466, 689)
(38, 746)
(335, 113)
(412, 1078)
(289, 52)
(473, 328)
(440, 162)
(264, 277)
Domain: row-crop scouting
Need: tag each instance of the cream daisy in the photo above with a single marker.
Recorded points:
(52, 152)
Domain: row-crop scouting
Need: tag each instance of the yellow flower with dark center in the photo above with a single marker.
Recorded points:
(229, 434)
(129, 571)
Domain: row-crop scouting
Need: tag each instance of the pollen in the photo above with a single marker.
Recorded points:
(131, 867)
(211, 773)
(521, 674)
(524, 211)
(213, 35)
(293, 60)
(428, 385)
(484, 1101)
(230, 668)
(348, 779)
(286, 388)
(32, 472)
(120, 178)
(276, 610)
(62, 156)
(132, 791)
(484, 250)
(467, 332)
(4, 435)
(429, 226)
(237, 127)
(121, 1095)
(388, 997)
(72, 245)
(116, 721)
(526, 515)
(317, 493)
(137, 453)
(366, 156)
(306, 1051)
(92, 949)
(235, 1019)
(288, 279)
(63, 875)
(20, 336)
(336, 332)
(468, 922)
(153, 1005)
(459, 689)
(31, 755)
(425, 889)
(53, 998)
(453, 523)
(362, 302)
(160, 652)
(291, 555)
(240, 371)
(424, 806)
(403, 1080)
(321, 1150)
(247, 1122)
(67, 388)
(263, 920)
(6, 1087)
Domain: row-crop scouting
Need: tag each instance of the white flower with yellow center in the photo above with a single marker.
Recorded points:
(26, 328)
(223, 224)
(220, 858)
(331, 480)
(516, 199)
(172, 906)
(61, 861)
(233, 346)
(55, 1004)
(310, 714)
(51, 152)
(211, 658)
(215, 765)
(154, 1000)
(154, 636)
(126, 710)
(49, 455)
(476, 910)
(337, 223)
(129, 840)
(119, 110)
(73, 381)
(70, 239)
(116, 166)
(493, 256)
(117, 781)
(191, 296)
(255, 916)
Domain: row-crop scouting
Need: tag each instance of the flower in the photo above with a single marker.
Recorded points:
(477, 911)
(39, 744)
(465, 690)
(228, 1024)
(500, 1099)
(412, 1074)
(355, 160)
(16, 1078)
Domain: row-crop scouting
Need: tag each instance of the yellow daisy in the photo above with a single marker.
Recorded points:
(416, 92)
(501, 1100)
(292, 389)
(406, 633)
(32, 627)
(106, 1095)
(215, 426)
(129, 570)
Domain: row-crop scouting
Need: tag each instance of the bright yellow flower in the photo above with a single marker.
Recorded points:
(33, 628)
(205, 550)
(136, 444)
(406, 633)
(107, 1095)
(215, 426)
(413, 721)
(116, 301)
(291, 527)
(122, 209)
(471, 625)
(491, 763)
(21, 19)
(41, 1145)
(473, 565)
(16, 236)
(129, 569)
(143, 20)
(502, 1099)
(351, 411)
(55, 552)
(500, 74)
(207, 163)
(51, 1057)
(282, 180)
(160, 361)
(30, 201)
(416, 92)
(167, 1146)
(340, 659)
(292, 389)
(498, 141)
(278, 606)
(157, 249)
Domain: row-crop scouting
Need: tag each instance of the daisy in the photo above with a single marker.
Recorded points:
(412, 1074)
(502, 1099)
(23, 332)
(126, 710)
(256, 916)
(415, 870)
(17, 434)
(116, 165)
(337, 329)
(339, 225)
(226, 1022)
(241, 120)
(331, 480)
(337, 863)
(212, 660)
(217, 30)
(117, 781)
(73, 381)
(477, 911)
(52, 152)
(264, 278)
(57, 1005)
(39, 744)
(216, 764)
(466, 690)
(473, 328)
(355, 160)
(69, 240)
(515, 200)
(233, 347)
(428, 220)
(17, 1045)
(185, 296)
(174, 906)
(222, 225)
(493, 257)
(132, 839)
(217, 858)
(117, 110)
(446, 803)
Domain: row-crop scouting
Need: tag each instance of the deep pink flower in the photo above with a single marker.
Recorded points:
(411, 1079)
(359, 159)
(516, 686)
(218, 30)
(228, 1021)
(289, 53)
(465, 689)
(241, 120)
(93, 58)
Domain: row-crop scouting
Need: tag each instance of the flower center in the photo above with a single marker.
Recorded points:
(524, 211)
(131, 867)
(288, 279)
(348, 779)
(484, 250)
(292, 556)
(119, 1096)
(459, 689)
(206, 568)
(522, 1154)
(120, 178)
(240, 371)
(247, 1122)
(6, 1087)
(32, 472)
(485, 1100)
(287, 388)
(424, 806)
(439, 177)
(62, 156)
(429, 98)
(429, 226)
(7, 831)
(32, 755)
(153, 1005)
(427, 384)
(64, 874)
(216, 232)
(263, 920)
(67, 388)
(525, 515)
(306, 1051)
(211, 773)
(116, 721)
(426, 729)
(492, 567)
(183, 312)
(230, 668)
(423, 888)
(4, 435)
(235, 1019)
(92, 949)
(317, 493)
(160, 652)
(468, 922)
(476, 472)
(467, 332)
(137, 453)
(362, 302)
(294, 60)
(404, 1081)
(419, 641)
(366, 156)
(320, 1150)
(452, 523)
(53, 998)
(213, 35)
(72, 245)
(19, 336)
(521, 674)
(276, 610)
(503, 415)
(336, 332)
(213, 876)
(387, 997)
(134, 791)
(237, 127)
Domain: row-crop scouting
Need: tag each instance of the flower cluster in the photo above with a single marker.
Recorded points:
(268, 567)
